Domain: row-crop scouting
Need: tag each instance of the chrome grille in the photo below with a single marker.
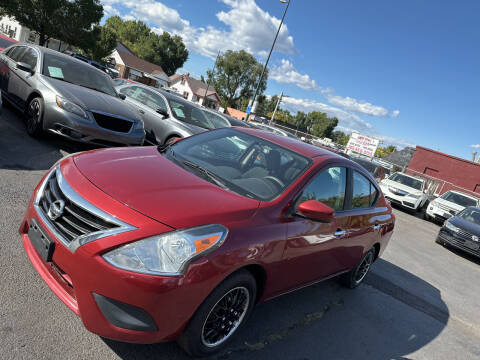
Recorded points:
(446, 208)
(465, 235)
(79, 222)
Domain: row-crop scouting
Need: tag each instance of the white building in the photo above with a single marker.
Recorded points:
(22, 34)
(194, 90)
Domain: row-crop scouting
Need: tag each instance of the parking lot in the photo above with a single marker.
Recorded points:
(419, 302)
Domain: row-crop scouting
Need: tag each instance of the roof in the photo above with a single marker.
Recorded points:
(136, 63)
(198, 87)
(446, 155)
(400, 158)
(236, 113)
(296, 145)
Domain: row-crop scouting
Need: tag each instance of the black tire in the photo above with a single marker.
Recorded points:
(356, 276)
(197, 339)
(34, 117)
(171, 139)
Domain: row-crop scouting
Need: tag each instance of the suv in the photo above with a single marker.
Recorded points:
(404, 190)
(449, 204)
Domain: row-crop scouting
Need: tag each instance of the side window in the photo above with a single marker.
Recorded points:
(16, 52)
(154, 101)
(364, 192)
(328, 187)
(129, 91)
(29, 57)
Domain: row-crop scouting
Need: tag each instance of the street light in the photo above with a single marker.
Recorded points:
(270, 53)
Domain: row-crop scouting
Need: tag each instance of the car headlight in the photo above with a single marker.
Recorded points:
(71, 107)
(167, 254)
(451, 227)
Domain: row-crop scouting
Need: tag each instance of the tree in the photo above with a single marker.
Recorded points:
(322, 125)
(261, 106)
(103, 42)
(236, 76)
(162, 49)
(66, 20)
(340, 137)
(384, 151)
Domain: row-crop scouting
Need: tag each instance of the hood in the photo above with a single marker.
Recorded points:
(463, 224)
(396, 185)
(90, 99)
(147, 182)
(448, 204)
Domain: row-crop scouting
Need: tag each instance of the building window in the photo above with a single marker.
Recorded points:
(185, 94)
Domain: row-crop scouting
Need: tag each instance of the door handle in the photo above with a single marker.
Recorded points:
(141, 111)
(376, 227)
(339, 233)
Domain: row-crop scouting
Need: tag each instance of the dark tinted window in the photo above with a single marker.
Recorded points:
(470, 214)
(459, 199)
(16, 52)
(29, 57)
(328, 187)
(364, 193)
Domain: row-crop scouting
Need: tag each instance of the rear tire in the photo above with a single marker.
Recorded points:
(222, 313)
(34, 117)
(356, 276)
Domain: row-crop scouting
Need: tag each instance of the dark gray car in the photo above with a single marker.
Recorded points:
(166, 116)
(66, 96)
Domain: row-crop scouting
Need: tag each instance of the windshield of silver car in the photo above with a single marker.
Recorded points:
(78, 73)
(239, 162)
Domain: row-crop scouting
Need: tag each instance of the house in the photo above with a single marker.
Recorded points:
(194, 90)
(132, 67)
(22, 34)
(240, 115)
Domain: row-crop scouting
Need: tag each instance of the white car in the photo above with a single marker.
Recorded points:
(404, 190)
(449, 204)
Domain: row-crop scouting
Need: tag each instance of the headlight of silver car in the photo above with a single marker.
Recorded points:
(71, 107)
(167, 254)
(452, 227)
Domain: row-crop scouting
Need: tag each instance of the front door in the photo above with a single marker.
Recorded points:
(312, 247)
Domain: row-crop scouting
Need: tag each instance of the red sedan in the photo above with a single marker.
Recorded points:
(180, 241)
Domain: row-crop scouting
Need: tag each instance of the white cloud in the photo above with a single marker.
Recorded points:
(362, 107)
(395, 113)
(345, 118)
(476, 146)
(287, 74)
(248, 27)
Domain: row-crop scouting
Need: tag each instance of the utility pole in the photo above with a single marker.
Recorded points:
(213, 72)
(276, 107)
(270, 53)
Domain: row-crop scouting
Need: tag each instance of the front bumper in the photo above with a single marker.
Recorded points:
(438, 214)
(446, 236)
(79, 278)
(76, 128)
(404, 201)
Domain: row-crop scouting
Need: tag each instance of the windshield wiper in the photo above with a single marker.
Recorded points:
(208, 173)
(164, 147)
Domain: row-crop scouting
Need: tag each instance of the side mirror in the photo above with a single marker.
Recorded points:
(315, 210)
(24, 67)
(163, 113)
(122, 96)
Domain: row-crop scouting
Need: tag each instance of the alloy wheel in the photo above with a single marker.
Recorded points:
(364, 268)
(225, 317)
(33, 116)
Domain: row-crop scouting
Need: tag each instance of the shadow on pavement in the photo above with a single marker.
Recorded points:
(394, 314)
(19, 151)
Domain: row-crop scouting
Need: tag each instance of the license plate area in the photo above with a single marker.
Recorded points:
(472, 245)
(41, 241)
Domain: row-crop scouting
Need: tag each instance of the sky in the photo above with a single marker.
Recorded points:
(406, 72)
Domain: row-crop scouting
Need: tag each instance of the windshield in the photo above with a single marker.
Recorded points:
(217, 120)
(407, 181)
(191, 114)
(459, 199)
(69, 70)
(245, 164)
(470, 214)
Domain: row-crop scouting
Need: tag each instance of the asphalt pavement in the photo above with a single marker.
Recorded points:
(421, 300)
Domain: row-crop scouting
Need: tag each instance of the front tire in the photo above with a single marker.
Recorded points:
(222, 313)
(356, 276)
(34, 117)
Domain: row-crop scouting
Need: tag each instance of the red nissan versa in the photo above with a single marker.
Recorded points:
(179, 242)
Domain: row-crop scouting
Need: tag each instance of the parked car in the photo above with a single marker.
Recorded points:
(449, 204)
(154, 244)
(274, 130)
(462, 231)
(6, 41)
(404, 190)
(65, 96)
(378, 171)
(166, 116)
(111, 72)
